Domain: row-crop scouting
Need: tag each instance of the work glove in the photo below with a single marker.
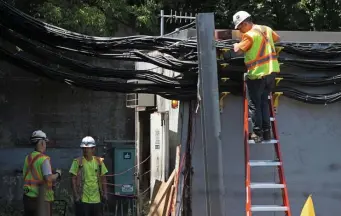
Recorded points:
(59, 172)
(235, 47)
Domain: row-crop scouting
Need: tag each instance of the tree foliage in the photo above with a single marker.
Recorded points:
(104, 17)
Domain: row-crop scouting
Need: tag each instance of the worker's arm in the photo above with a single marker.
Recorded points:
(74, 188)
(47, 171)
(74, 170)
(104, 171)
(275, 37)
(244, 45)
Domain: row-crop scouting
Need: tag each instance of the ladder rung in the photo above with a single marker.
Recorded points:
(273, 141)
(266, 185)
(268, 208)
(264, 163)
(271, 119)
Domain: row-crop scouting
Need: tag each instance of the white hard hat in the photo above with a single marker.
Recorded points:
(38, 135)
(239, 17)
(88, 142)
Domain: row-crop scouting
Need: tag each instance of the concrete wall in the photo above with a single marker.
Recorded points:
(65, 113)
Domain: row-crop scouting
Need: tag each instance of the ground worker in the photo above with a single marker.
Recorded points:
(260, 58)
(88, 181)
(37, 171)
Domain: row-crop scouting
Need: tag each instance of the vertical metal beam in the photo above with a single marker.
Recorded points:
(210, 116)
(162, 22)
(138, 161)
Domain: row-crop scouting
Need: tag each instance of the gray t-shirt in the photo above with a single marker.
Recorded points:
(46, 167)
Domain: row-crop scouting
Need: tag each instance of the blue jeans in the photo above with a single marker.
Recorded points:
(259, 111)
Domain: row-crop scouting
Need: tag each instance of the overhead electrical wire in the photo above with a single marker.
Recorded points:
(43, 50)
(164, 61)
(95, 83)
(64, 39)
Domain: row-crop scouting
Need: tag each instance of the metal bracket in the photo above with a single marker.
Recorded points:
(278, 49)
(224, 79)
(221, 100)
(222, 51)
(223, 95)
(276, 94)
(278, 79)
(224, 65)
(276, 100)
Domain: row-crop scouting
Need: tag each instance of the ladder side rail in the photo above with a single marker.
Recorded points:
(280, 168)
(247, 153)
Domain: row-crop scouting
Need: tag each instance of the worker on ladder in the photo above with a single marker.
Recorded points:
(37, 171)
(88, 180)
(260, 58)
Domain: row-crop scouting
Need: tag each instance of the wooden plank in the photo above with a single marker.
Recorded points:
(156, 189)
(177, 164)
(163, 202)
(156, 206)
(169, 204)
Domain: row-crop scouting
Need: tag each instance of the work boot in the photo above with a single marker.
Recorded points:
(267, 134)
(256, 137)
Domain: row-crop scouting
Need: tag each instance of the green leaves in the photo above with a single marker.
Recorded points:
(103, 17)
(99, 17)
(81, 18)
(146, 15)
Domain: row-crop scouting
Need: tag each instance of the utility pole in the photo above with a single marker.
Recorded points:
(210, 117)
(171, 16)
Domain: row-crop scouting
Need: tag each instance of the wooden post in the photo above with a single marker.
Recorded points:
(177, 164)
(42, 210)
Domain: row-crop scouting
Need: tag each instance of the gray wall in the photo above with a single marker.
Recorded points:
(309, 136)
(65, 113)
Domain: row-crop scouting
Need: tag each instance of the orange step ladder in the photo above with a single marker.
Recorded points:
(249, 164)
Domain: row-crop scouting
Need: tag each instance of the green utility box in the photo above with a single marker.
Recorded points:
(124, 169)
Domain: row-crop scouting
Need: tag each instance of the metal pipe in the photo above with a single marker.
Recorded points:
(162, 22)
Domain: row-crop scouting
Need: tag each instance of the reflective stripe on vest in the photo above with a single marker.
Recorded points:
(32, 170)
(80, 179)
(33, 178)
(261, 59)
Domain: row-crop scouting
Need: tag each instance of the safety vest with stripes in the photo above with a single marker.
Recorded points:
(33, 176)
(80, 178)
(261, 58)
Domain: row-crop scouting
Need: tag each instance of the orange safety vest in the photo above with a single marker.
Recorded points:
(33, 177)
(80, 179)
(261, 59)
